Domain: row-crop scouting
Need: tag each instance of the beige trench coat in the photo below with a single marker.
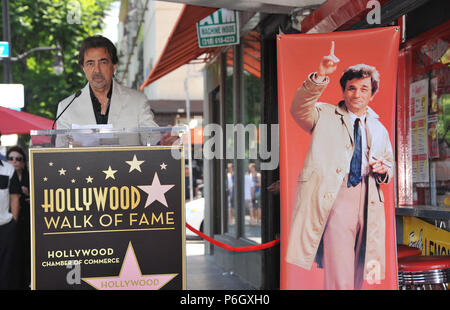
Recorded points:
(326, 165)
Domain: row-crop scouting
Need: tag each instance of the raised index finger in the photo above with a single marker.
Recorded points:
(332, 56)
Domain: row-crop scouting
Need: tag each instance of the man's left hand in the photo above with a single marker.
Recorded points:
(168, 139)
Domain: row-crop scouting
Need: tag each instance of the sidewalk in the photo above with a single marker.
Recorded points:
(203, 274)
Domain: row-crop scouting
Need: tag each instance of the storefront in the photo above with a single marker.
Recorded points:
(241, 88)
(423, 138)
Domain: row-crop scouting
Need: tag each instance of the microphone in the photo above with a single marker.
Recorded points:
(77, 94)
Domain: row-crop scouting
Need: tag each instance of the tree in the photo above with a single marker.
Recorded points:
(37, 23)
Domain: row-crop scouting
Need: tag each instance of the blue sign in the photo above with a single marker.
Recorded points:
(4, 49)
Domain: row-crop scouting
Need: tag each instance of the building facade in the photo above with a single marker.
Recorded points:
(240, 87)
(144, 26)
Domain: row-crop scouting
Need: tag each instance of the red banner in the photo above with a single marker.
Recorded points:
(337, 233)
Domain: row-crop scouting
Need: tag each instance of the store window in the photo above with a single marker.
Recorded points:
(242, 116)
(230, 203)
(251, 108)
(424, 120)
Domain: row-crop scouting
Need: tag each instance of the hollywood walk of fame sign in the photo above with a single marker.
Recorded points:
(108, 218)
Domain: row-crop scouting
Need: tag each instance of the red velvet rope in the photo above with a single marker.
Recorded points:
(234, 249)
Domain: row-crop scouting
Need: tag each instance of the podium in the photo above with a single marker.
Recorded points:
(107, 209)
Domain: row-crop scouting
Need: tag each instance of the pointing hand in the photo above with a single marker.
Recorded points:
(328, 64)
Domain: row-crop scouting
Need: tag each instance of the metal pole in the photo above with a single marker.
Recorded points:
(6, 37)
(188, 116)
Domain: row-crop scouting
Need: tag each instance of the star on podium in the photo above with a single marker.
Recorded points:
(130, 277)
(109, 173)
(156, 191)
(135, 164)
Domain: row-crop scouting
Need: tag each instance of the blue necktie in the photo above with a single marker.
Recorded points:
(354, 177)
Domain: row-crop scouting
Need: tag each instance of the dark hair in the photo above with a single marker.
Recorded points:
(361, 71)
(94, 42)
(17, 149)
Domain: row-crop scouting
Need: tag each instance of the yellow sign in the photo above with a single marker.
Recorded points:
(427, 237)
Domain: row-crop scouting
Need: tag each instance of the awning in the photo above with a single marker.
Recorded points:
(252, 54)
(337, 15)
(19, 122)
(182, 46)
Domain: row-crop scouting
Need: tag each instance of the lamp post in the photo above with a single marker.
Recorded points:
(6, 37)
(58, 65)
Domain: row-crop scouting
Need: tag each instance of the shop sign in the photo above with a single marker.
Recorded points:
(107, 218)
(426, 237)
(221, 28)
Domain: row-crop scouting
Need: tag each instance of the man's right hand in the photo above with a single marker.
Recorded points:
(328, 64)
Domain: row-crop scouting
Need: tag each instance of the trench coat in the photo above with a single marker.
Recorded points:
(326, 164)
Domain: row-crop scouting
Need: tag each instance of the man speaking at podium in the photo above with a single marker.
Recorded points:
(103, 100)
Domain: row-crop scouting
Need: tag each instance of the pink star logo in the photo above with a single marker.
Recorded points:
(156, 191)
(130, 277)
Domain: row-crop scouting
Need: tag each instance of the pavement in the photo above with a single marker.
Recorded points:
(203, 274)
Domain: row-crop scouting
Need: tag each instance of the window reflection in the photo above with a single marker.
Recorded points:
(424, 135)
(251, 108)
(230, 212)
(243, 207)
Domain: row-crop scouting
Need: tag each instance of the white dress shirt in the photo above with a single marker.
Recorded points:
(364, 147)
